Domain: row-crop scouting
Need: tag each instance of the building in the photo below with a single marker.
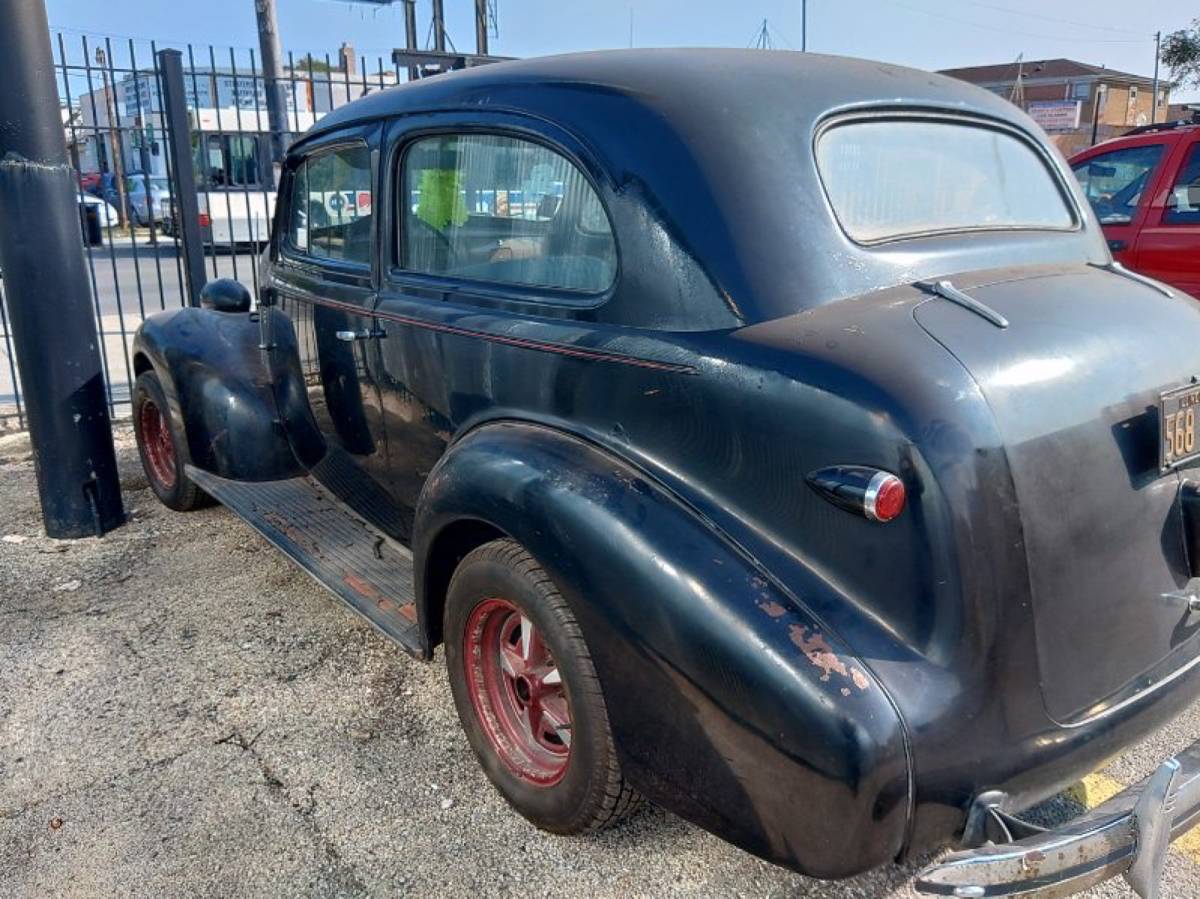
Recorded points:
(221, 102)
(1077, 104)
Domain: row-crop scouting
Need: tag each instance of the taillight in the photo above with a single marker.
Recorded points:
(205, 221)
(874, 494)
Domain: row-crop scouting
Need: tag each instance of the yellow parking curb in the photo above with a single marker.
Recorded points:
(1097, 788)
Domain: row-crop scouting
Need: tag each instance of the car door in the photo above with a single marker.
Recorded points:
(323, 281)
(500, 250)
(1119, 184)
(1168, 246)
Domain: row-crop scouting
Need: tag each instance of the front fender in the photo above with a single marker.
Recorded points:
(730, 704)
(210, 368)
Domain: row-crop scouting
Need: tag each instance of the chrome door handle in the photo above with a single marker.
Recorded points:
(364, 334)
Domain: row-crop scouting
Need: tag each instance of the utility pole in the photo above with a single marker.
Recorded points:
(481, 27)
(47, 290)
(114, 136)
(1154, 99)
(410, 34)
(803, 26)
(439, 26)
(272, 66)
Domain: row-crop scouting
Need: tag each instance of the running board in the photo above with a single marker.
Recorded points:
(363, 567)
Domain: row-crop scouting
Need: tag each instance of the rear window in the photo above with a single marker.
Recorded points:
(888, 179)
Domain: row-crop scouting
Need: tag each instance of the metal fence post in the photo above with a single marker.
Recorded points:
(183, 175)
(47, 289)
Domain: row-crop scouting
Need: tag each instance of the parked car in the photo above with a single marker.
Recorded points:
(1145, 188)
(149, 198)
(109, 217)
(804, 464)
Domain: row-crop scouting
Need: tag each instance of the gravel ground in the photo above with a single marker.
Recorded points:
(183, 712)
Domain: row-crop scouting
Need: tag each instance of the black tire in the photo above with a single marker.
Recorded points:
(164, 466)
(591, 793)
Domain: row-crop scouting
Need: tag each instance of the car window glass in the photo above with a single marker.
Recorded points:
(889, 179)
(1114, 182)
(331, 206)
(298, 210)
(505, 210)
(1183, 204)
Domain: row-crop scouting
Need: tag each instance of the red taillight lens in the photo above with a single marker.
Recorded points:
(875, 495)
(205, 221)
(884, 499)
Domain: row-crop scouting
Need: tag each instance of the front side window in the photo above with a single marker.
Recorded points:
(505, 210)
(330, 206)
(889, 178)
(1183, 205)
(1114, 182)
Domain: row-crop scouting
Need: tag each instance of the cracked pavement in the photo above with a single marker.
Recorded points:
(196, 717)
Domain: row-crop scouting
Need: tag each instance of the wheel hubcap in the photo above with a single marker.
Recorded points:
(517, 692)
(158, 451)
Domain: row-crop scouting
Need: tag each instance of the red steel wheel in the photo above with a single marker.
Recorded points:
(527, 692)
(154, 436)
(162, 445)
(517, 691)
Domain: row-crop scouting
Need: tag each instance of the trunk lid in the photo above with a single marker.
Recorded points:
(1074, 384)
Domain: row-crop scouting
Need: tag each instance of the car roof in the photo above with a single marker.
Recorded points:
(678, 78)
(704, 151)
(1144, 138)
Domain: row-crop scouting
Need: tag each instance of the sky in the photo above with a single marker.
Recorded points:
(928, 34)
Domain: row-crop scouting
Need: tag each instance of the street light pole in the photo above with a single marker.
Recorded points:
(47, 290)
(803, 26)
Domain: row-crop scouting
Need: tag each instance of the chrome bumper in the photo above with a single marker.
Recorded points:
(1127, 835)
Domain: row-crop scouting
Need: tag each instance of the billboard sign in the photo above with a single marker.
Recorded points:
(1056, 115)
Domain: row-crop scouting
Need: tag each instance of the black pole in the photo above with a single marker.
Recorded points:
(183, 172)
(481, 27)
(272, 66)
(439, 26)
(47, 289)
(410, 34)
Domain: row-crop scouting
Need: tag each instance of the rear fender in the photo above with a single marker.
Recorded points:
(210, 367)
(730, 703)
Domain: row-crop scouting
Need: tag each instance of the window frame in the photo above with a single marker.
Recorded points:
(294, 255)
(1190, 153)
(1069, 197)
(472, 289)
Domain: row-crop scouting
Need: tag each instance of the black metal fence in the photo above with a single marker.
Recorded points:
(119, 134)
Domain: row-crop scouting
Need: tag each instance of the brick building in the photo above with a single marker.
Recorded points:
(1067, 97)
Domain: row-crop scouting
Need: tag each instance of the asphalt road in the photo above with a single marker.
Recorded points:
(184, 713)
(132, 278)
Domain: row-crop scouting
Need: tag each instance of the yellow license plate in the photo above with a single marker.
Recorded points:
(1178, 414)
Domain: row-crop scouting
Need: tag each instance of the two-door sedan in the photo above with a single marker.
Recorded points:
(768, 435)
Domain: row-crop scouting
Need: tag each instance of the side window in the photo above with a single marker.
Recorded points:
(1183, 204)
(330, 206)
(504, 210)
(1114, 181)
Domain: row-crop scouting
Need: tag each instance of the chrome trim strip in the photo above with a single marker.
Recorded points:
(871, 496)
(1117, 269)
(947, 291)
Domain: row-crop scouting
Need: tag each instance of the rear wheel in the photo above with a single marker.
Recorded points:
(527, 693)
(162, 446)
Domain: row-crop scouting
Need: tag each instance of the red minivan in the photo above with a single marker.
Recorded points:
(1145, 189)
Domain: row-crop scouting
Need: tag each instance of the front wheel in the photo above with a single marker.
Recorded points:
(162, 446)
(528, 695)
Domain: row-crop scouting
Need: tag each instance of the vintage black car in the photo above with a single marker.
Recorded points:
(768, 435)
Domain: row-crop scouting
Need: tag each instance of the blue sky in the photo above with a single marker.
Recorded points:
(928, 34)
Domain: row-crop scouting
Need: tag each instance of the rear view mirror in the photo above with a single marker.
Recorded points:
(225, 295)
(1095, 170)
